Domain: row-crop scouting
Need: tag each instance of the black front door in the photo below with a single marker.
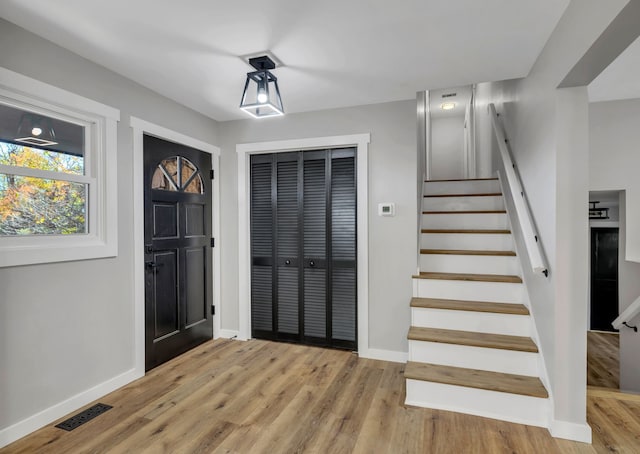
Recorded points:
(177, 234)
(303, 247)
(604, 278)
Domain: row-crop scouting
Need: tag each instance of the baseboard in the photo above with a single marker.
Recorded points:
(571, 431)
(229, 334)
(384, 355)
(47, 416)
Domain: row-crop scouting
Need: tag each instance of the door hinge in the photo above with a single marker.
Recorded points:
(213, 310)
(211, 174)
(213, 242)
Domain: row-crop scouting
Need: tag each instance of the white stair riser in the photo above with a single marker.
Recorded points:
(467, 241)
(491, 359)
(499, 292)
(465, 221)
(461, 187)
(476, 264)
(506, 407)
(462, 203)
(481, 322)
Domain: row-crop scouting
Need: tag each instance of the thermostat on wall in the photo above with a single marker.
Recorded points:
(386, 209)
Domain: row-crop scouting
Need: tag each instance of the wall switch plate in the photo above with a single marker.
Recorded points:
(386, 209)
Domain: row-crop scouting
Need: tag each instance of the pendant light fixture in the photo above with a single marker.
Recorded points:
(261, 95)
(36, 130)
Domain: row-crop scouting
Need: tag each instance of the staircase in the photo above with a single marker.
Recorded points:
(470, 341)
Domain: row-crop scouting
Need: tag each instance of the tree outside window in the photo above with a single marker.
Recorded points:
(40, 206)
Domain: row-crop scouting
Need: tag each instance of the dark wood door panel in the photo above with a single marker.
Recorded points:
(179, 281)
(604, 278)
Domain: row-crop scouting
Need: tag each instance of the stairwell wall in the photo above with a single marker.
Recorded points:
(548, 133)
(613, 165)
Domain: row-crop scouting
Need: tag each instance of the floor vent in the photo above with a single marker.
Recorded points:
(83, 416)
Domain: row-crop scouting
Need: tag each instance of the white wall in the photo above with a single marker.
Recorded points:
(548, 133)
(67, 327)
(614, 161)
(392, 170)
(447, 147)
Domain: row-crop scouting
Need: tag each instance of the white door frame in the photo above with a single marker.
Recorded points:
(141, 127)
(361, 142)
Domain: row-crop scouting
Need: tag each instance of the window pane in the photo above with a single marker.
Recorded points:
(166, 178)
(160, 181)
(196, 186)
(55, 140)
(170, 166)
(37, 206)
(34, 158)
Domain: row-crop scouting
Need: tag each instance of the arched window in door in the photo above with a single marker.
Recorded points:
(177, 174)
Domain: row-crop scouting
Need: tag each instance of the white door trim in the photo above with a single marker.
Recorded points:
(361, 142)
(141, 127)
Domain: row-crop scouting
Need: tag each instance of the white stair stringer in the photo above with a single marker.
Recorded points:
(533, 411)
(452, 281)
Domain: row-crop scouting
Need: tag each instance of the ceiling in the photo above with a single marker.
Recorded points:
(336, 53)
(620, 80)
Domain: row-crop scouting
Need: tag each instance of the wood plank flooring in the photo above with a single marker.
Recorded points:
(263, 397)
(603, 359)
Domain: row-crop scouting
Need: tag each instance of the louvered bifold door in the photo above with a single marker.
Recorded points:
(262, 245)
(315, 280)
(288, 206)
(343, 276)
(303, 247)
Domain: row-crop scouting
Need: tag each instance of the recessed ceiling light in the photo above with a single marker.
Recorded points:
(447, 105)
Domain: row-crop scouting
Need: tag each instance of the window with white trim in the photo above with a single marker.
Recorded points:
(57, 174)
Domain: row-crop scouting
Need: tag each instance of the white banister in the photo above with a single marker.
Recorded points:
(514, 184)
(627, 315)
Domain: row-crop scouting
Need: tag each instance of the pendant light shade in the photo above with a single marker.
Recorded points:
(35, 130)
(261, 95)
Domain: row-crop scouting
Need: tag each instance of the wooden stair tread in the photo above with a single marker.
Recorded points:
(473, 339)
(467, 252)
(467, 212)
(471, 306)
(462, 179)
(481, 231)
(478, 379)
(487, 194)
(470, 277)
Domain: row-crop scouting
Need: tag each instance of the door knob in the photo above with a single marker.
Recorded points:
(152, 265)
(287, 262)
(312, 263)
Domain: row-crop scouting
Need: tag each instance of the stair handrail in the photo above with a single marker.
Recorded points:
(627, 315)
(531, 239)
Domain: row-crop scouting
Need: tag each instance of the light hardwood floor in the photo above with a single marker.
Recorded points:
(266, 397)
(603, 360)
